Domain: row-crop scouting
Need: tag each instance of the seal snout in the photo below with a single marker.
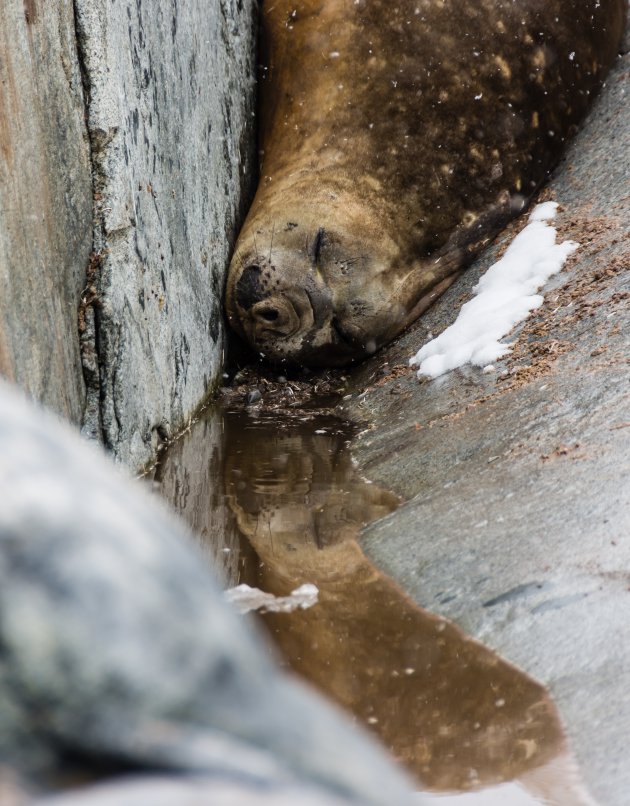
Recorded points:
(268, 314)
(281, 302)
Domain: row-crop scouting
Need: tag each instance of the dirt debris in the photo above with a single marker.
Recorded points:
(261, 388)
(563, 451)
(540, 341)
(89, 295)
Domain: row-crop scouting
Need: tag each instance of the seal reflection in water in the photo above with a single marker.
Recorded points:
(455, 713)
(397, 137)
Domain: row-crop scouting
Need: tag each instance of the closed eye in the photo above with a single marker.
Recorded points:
(317, 246)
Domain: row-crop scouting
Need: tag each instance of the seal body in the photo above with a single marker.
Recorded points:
(397, 137)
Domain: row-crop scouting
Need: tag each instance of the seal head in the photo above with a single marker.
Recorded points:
(314, 295)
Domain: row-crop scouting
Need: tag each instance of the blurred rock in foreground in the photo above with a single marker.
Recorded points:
(118, 653)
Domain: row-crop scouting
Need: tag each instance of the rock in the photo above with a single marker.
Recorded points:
(45, 203)
(170, 119)
(137, 209)
(118, 651)
(197, 791)
(517, 482)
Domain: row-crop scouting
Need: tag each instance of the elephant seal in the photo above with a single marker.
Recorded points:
(397, 137)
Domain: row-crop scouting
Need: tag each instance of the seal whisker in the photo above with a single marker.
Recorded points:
(273, 229)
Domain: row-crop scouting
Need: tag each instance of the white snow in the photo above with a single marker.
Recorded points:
(246, 598)
(503, 795)
(504, 296)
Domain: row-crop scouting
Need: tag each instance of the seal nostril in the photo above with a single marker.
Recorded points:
(275, 318)
(269, 314)
(248, 287)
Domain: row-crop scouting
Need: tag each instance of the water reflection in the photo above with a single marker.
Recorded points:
(454, 712)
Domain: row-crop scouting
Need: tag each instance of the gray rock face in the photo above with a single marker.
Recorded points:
(518, 487)
(116, 646)
(45, 202)
(170, 117)
(154, 184)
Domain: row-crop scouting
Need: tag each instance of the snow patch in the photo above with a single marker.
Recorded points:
(246, 598)
(504, 296)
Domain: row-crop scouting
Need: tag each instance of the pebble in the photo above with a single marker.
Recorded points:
(253, 397)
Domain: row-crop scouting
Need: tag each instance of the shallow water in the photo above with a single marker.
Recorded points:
(276, 503)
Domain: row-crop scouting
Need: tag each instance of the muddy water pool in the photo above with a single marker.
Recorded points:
(275, 502)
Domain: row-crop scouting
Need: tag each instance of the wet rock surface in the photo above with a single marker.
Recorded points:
(517, 482)
(118, 653)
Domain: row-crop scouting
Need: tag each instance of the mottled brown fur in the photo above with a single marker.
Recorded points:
(397, 138)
